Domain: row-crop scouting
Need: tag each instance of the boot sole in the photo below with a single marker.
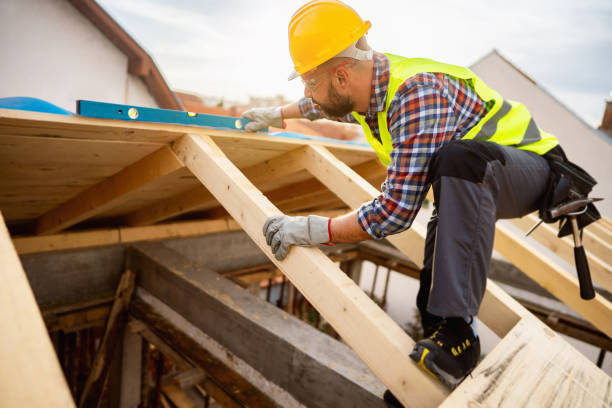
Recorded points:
(424, 359)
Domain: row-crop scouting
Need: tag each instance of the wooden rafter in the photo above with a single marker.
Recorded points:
(31, 374)
(499, 311)
(124, 235)
(364, 326)
(601, 271)
(104, 195)
(199, 197)
(353, 189)
(261, 174)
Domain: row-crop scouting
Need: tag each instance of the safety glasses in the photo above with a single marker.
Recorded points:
(313, 83)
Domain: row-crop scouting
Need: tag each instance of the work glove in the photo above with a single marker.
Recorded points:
(282, 231)
(262, 118)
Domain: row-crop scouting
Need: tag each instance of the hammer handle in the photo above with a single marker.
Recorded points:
(584, 275)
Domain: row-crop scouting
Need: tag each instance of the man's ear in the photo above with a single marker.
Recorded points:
(342, 77)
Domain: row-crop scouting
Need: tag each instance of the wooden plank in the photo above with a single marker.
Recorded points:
(533, 367)
(498, 310)
(177, 396)
(267, 170)
(102, 196)
(227, 383)
(124, 235)
(39, 173)
(600, 231)
(264, 174)
(290, 357)
(131, 370)
(364, 326)
(545, 234)
(31, 374)
(71, 240)
(606, 222)
(92, 391)
(552, 277)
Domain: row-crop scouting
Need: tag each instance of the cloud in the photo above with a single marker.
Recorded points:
(236, 48)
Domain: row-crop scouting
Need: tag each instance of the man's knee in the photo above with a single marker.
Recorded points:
(464, 159)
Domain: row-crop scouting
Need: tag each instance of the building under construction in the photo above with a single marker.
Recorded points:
(135, 273)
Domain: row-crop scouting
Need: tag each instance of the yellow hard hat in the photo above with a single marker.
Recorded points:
(320, 30)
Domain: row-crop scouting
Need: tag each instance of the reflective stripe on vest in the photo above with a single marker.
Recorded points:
(507, 122)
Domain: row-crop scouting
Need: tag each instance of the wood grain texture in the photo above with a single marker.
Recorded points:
(113, 334)
(552, 277)
(498, 310)
(533, 367)
(31, 375)
(600, 268)
(104, 194)
(382, 345)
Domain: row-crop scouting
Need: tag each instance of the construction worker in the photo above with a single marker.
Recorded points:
(431, 124)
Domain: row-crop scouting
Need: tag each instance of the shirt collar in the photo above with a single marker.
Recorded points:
(380, 84)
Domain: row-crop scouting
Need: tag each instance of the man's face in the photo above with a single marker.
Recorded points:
(323, 92)
(336, 105)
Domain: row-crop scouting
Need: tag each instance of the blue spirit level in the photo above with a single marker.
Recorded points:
(141, 114)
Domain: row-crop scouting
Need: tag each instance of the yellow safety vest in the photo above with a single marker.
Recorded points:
(507, 122)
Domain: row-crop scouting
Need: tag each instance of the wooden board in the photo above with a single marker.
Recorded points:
(31, 375)
(601, 271)
(533, 367)
(498, 311)
(47, 160)
(378, 340)
(39, 173)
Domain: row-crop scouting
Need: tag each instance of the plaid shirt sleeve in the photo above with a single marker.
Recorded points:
(312, 111)
(427, 111)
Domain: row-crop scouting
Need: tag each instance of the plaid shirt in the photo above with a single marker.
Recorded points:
(428, 111)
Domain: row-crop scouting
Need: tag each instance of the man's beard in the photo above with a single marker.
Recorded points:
(339, 106)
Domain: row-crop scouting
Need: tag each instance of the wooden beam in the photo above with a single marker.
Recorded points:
(601, 271)
(552, 277)
(291, 358)
(499, 311)
(178, 396)
(533, 366)
(224, 383)
(600, 231)
(72, 321)
(125, 235)
(606, 222)
(31, 373)
(113, 333)
(354, 190)
(379, 341)
(261, 173)
(105, 194)
(131, 370)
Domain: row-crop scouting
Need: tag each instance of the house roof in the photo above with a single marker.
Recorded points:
(140, 63)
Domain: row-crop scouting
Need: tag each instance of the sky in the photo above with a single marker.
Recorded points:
(236, 48)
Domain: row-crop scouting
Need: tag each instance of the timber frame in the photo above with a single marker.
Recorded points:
(62, 172)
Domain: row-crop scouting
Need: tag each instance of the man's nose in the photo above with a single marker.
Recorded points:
(307, 92)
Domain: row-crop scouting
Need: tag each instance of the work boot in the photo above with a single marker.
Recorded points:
(450, 353)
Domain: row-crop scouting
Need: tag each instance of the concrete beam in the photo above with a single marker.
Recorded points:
(315, 369)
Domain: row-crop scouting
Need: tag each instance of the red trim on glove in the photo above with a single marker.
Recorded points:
(329, 243)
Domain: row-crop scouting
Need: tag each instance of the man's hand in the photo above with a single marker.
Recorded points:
(262, 118)
(282, 231)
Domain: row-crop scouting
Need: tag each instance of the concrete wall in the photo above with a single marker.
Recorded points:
(581, 142)
(49, 50)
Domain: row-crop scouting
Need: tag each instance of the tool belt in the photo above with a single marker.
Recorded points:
(567, 200)
(567, 183)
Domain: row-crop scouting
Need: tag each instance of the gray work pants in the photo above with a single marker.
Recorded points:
(474, 184)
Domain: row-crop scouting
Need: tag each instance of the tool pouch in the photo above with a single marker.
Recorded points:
(567, 182)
